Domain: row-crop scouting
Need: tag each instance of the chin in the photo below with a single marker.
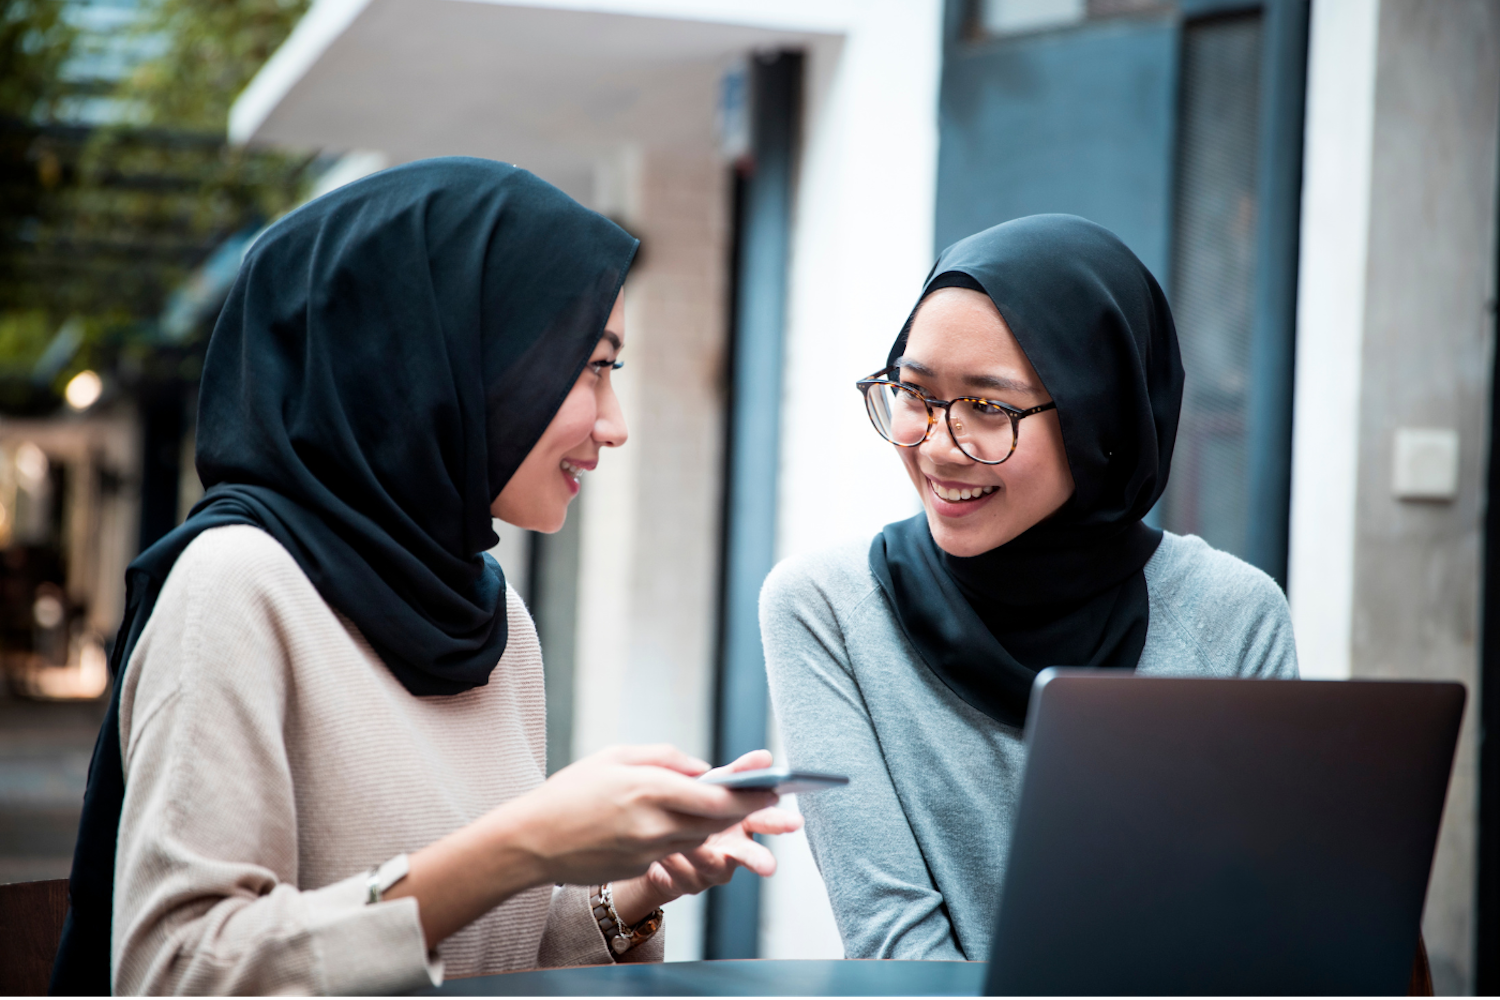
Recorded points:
(554, 519)
(965, 542)
(546, 522)
(958, 546)
(552, 525)
(955, 543)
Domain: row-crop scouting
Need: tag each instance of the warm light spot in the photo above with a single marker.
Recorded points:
(83, 390)
(48, 612)
(83, 678)
(31, 465)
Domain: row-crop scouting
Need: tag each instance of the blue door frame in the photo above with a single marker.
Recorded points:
(762, 244)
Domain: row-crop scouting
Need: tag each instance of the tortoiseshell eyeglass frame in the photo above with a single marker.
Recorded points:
(1016, 414)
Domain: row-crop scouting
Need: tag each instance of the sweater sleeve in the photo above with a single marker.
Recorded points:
(206, 884)
(573, 936)
(883, 896)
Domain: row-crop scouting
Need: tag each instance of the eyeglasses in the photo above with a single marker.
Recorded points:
(984, 429)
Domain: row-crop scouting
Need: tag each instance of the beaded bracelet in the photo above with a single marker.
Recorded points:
(619, 937)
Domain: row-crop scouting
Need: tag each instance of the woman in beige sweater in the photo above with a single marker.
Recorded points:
(324, 768)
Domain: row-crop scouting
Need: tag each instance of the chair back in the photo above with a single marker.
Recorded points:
(31, 924)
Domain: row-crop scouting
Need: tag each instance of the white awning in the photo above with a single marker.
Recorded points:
(552, 87)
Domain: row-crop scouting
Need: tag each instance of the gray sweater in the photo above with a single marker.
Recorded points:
(913, 850)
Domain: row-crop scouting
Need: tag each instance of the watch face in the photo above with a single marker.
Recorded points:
(381, 879)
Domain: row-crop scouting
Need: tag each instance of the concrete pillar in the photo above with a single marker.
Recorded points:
(1401, 169)
(1426, 346)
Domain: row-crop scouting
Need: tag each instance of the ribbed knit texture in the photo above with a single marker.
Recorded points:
(271, 759)
(913, 850)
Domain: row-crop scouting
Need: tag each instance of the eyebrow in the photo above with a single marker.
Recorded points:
(973, 381)
(612, 337)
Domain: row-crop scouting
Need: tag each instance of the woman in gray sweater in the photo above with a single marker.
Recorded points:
(1033, 397)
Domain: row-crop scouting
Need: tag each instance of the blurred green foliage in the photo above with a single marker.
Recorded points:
(214, 48)
(35, 41)
(102, 220)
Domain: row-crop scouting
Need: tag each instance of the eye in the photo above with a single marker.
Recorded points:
(605, 365)
(987, 408)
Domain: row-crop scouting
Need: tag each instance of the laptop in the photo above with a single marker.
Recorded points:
(1218, 836)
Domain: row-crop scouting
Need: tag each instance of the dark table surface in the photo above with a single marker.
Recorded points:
(734, 978)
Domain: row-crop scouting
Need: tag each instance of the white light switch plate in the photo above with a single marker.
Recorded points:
(1426, 466)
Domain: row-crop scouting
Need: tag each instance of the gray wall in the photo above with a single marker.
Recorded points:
(1078, 121)
(1427, 341)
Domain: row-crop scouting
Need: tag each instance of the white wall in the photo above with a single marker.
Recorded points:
(1330, 330)
(862, 245)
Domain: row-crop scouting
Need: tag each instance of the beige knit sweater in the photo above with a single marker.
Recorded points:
(271, 759)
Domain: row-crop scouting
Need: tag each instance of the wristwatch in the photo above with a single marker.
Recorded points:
(378, 880)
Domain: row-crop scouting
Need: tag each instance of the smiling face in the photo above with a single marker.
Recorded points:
(590, 419)
(959, 345)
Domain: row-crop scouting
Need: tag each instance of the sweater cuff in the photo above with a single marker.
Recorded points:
(365, 948)
(573, 936)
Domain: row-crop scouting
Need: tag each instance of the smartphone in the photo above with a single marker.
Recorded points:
(779, 780)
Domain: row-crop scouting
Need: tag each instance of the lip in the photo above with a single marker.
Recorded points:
(956, 508)
(582, 466)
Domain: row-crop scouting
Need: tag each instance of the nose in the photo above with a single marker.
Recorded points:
(940, 448)
(609, 426)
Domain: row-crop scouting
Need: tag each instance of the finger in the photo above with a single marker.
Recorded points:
(684, 842)
(663, 879)
(661, 755)
(683, 874)
(655, 830)
(747, 853)
(716, 861)
(752, 761)
(695, 798)
(684, 833)
(773, 821)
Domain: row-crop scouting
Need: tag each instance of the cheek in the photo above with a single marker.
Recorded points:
(908, 458)
(1037, 477)
(572, 425)
(1051, 466)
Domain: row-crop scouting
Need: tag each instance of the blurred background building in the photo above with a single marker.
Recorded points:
(1313, 184)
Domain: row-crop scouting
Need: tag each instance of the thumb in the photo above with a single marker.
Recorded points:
(773, 821)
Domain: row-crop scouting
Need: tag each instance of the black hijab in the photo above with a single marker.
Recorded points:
(387, 357)
(1071, 590)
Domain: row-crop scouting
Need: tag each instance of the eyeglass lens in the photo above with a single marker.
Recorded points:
(901, 416)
